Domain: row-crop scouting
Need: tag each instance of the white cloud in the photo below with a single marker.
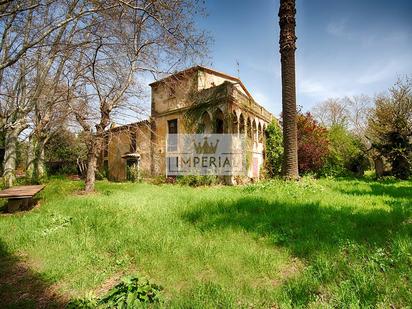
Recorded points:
(379, 72)
(338, 28)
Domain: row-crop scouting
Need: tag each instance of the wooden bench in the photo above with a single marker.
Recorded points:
(20, 197)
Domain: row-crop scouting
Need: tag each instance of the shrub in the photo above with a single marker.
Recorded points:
(198, 180)
(346, 154)
(274, 149)
(131, 292)
(65, 146)
(312, 144)
(133, 172)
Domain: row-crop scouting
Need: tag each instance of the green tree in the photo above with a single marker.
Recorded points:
(390, 127)
(274, 149)
(346, 153)
(62, 151)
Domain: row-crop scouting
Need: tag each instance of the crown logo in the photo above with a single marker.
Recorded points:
(206, 148)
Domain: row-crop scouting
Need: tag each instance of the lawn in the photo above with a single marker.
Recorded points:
(324, 242)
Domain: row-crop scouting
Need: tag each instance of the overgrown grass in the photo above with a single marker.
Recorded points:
(313, 243)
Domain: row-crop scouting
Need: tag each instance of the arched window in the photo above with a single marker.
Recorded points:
(249, 129)
(254, 129)
(205, 125)
(219, 122)
(241, 124)
(234, 123)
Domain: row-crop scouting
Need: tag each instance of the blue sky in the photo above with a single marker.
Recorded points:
(344, 47)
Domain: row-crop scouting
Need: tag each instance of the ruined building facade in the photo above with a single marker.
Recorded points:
(197, 100)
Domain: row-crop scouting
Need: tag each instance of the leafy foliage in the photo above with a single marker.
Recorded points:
(62, 151)
(346, 154)
(133, 172)
(390, 128)
(130, 293)
(64, 146)
(312, 144)
(198, 180)
(274, 149)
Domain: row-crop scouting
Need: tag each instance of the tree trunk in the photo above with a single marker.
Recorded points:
(35, 170)
(91, 170)
(10, 156)
(95, 147)
(39, 170)
(287, 44)
(379, 167)
(30, 157)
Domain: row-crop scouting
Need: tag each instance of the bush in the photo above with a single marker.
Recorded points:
(198, 180)
(274, 149)
(346, 154)
(312, 144)
(131, 292)
(133, 172)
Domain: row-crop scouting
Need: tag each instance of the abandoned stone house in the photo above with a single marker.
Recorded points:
(196, 100)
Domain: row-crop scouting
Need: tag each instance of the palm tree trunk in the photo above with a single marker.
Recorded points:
(287, 42)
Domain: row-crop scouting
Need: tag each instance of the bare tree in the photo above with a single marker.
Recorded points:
(348, 112)
(84, 55)
(332, 111)
(359, 108)
(28, 16)
(14, 107)
(37, 74)
(120, 44)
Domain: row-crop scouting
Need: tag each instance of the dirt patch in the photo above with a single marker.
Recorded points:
(74, 177)
(288, 271)
(108, 284)
(86, 194)
(21, 287)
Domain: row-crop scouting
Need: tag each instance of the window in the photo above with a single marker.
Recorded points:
(219, 126)
(106, 168)
(172, 126)
(106, 146)
(133, 141)
(172, 138)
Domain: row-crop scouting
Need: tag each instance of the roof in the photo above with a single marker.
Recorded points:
(205, 69)
(129, 125)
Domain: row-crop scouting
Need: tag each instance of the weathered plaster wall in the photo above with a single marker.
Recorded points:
(119, 144)
(173, 94)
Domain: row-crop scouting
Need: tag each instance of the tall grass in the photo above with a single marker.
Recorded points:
(312, 243)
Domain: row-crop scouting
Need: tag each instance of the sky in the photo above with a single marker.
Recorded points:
(344, 48)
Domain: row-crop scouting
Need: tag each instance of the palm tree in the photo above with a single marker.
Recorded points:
(287, 43)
